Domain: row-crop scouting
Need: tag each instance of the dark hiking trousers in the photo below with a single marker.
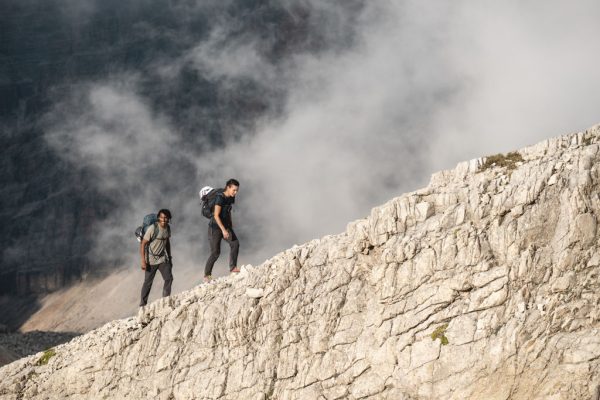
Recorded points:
(165, 271)
(214, 239)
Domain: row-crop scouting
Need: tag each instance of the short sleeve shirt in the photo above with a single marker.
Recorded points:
(225, 214)
(157, 249)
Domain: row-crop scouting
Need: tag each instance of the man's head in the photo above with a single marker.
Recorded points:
(164, 216)
(231, 188)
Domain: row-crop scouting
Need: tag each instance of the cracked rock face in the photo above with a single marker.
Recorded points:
(484, 285)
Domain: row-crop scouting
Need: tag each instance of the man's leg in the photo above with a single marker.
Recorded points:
(214, 239)
(234, 247)
(166, 270)
(148, 278)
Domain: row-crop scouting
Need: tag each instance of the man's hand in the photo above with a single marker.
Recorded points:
(144, 265)
(224, 231)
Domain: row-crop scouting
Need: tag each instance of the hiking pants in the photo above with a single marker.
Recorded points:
(165, 271)
(214, 239)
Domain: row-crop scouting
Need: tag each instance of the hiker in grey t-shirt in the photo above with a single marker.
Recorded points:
(155, 250)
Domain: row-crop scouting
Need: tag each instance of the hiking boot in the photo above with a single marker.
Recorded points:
(234, 270)
(207, 278)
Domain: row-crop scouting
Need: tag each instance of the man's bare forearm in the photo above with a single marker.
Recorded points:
(142, 251)
(220, 223)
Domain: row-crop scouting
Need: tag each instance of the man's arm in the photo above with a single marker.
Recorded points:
(168, 248)
(219, 222)
(143, 253)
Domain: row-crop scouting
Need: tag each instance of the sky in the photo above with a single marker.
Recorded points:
(397, 91)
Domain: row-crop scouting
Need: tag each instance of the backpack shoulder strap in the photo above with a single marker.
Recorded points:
(213, 194)
(154, 232)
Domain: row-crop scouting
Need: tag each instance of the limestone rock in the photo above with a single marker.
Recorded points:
(255, 293)
(484, 285)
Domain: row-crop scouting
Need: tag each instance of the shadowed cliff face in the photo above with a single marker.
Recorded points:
(483, 285)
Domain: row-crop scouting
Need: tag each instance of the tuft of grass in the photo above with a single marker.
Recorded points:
(48, 354)
(440, 333)
(508, 161)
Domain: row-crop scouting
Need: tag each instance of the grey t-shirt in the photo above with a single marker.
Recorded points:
(157, 253)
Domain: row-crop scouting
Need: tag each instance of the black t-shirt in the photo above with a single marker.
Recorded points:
(225, 214)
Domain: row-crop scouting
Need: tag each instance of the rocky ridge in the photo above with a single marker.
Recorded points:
(482, 285)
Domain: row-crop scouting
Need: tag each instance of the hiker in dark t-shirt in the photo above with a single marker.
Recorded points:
(221, 227)
(225, 212)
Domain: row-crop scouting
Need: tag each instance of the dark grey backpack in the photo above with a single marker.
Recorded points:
(208, 202)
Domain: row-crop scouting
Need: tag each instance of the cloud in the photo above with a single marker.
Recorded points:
(527, 74)
(424, 86)
(112, 129)
(392, 93)
(218, 58)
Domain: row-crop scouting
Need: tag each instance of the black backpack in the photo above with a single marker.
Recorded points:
(208, 202)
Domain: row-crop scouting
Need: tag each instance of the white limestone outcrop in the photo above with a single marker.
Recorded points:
(483, 285)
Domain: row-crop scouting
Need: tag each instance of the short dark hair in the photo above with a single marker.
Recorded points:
(232, 182)
(164, 211)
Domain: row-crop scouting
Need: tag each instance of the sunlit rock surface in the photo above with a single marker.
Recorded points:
(483, 285)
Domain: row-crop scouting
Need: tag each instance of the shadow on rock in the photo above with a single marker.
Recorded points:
(18, 345)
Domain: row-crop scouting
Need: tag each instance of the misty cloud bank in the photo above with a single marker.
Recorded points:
(382, 95)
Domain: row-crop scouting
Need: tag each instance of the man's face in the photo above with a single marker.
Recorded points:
(163, 220)
(231, 191)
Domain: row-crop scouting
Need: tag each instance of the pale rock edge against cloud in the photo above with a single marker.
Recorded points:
(483, 285)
